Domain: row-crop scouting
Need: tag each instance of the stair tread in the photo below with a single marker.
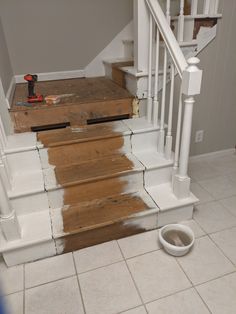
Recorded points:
(97, 169)
(98, 213)
(65, 136)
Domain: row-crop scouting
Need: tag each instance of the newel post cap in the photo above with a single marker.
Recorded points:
(192, 78)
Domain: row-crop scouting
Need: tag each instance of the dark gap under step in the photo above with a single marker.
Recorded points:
(108, 119)
(48, 127)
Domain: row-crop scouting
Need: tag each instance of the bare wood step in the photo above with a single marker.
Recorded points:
(94, 98)
(71, 146)
(103, 220)
(86, 133)
(95, 170)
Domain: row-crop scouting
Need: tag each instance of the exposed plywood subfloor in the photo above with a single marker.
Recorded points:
(93, 98)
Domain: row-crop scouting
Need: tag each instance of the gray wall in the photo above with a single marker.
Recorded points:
(215, 108)
(60, 35)
(6, 72)
(6, 75)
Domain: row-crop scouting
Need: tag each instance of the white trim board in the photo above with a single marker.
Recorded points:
(10, 92)
(51, 76)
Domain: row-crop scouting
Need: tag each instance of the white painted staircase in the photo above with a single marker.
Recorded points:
(36, 219)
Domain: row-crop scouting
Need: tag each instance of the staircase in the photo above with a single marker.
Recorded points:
(66, 189)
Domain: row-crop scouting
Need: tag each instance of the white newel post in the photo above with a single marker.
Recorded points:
(191, 85)
(141, 38)
(8, 219)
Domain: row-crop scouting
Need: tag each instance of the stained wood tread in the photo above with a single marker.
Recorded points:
(86, 133)
(103, 212)
(98, 169)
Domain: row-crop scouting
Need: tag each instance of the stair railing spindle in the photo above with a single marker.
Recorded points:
(149, 96)
(194, 7)
(168, 146)
(206, 7)
(178, 133)
(181, 22)
(156, 84)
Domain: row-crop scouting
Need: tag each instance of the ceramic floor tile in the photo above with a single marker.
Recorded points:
(219, 187)
(214, 217)
(49, 269)
(230, 204)
(201, 193)
(109, 290)
(202, 170)
(97, 256)
(139, 244)
(157, 275)
(14, 303)
(59, 297)
(138, 310)
(11, 279)
(197, 230)
(185, 302)
(205, 262)
(226, 241)
(224, 164)
(219, 294)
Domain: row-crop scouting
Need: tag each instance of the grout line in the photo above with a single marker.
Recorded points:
(191, 282)
(131, 275)
(80, 290)
(219, 277)
(202, 300)
(49, 282)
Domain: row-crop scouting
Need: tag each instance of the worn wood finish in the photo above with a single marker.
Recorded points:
(118, 76)
(115, 231)
(77, 153)
(93, 170)
(93, 98)
(86, 133)
(207, 22)
(100, 212)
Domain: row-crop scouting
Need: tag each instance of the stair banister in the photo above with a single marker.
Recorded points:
(180, 35)
(168, 36)
(191, 78)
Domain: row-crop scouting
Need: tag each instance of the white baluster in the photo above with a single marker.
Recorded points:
(8, 219)
(149, 96)
(206, 7)
(216, 7)
(194, 7)
(178, 133)
(181, 22)
(156, 85)
(168, 16)
(168, 147)
(161, 139)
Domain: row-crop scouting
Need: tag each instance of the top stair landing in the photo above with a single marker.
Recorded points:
(93, 100)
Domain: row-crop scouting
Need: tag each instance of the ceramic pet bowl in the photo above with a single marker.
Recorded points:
(176, 239)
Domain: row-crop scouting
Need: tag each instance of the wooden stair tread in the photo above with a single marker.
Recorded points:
(82, 134)
(99, 213)
(96, 169)
(84, 89)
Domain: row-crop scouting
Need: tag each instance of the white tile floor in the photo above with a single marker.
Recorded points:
(134, 275)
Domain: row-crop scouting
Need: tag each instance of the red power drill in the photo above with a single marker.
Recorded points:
(32, 97)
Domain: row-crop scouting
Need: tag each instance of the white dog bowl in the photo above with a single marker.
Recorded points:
(176, 239)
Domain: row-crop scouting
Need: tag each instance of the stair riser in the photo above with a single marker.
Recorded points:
(85, 151)
(30, 253)
(175, 215)
(90, 191)
(30, 203)
(154, 177)
(112, 232)
(144, 141)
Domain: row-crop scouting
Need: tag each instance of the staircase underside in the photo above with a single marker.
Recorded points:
(92, 100)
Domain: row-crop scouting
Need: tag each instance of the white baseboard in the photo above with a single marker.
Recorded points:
(51, 76)
(10, 92)
(224, 152)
